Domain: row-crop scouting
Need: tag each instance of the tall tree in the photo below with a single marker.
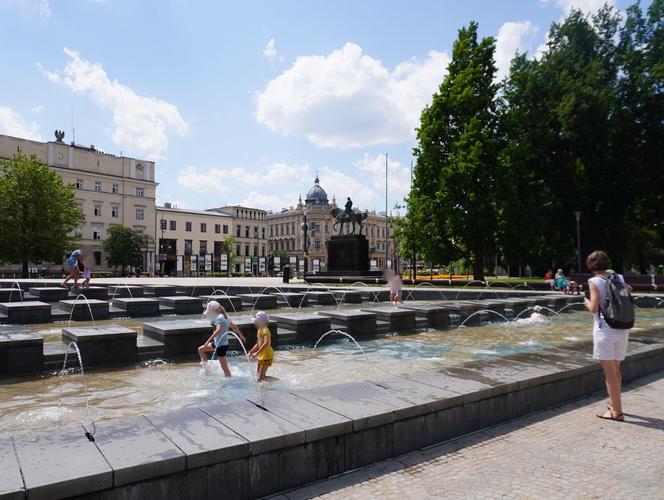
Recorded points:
(38, 214)
(453, 195)
(123, 247)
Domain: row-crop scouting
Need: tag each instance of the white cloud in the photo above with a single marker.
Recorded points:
(337, 183)
(584, 5)
(398, 175)
(349, 99)
(37, 109)
(39, 7)
(12, 123)
(267, 201)
(512, 37)
(141, 122)
(270, 51)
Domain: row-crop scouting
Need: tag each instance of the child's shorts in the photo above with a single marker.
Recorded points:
(221, 350)
(610, 345)
(264, 363)
(87, 274)
(396, 293)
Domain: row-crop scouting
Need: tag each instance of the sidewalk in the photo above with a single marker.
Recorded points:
(562, 453)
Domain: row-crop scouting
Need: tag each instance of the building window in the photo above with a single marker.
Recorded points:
(97, 255)
(255, 250)
(263, 251)
(98, 186)
(317, 244)
(115, 211)
(140, 192)
(255, 232)
(217, 228)
(225, 229)
(115, 189)
(187, 226)
(237, 250)
(203, 227)
(140, 214)
(246, 250)
(237, 231)
(162, 223)
(271, 231)
(79, 183)
(96, 233)
(202, 247)
(263, 233)
(97, 210)
(187, 247)
(173, 225)
(246, 231)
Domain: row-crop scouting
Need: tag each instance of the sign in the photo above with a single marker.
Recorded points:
(293, 261)
(389, 263)
(224, 262)
(208, 263)
(302, 266)
(261, 264)
(373, 264)
(247, 264)
(316, 265)
(194, 263)
(277, 262)
(179, 264)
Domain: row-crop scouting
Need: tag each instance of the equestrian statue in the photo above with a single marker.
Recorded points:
(348, 217)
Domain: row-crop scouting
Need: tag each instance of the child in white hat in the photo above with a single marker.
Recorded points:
(218, 341)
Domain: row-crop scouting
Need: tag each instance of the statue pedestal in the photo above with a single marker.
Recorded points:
(348, 252)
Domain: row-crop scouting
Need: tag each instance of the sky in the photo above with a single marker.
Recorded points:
(245, 102)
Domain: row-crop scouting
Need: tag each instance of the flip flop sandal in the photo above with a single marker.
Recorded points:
(617, 418)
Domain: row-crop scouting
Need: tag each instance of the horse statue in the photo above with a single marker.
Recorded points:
(342, 217)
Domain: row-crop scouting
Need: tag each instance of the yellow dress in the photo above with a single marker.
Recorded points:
(267, 353)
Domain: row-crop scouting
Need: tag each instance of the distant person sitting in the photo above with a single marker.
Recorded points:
(537, 316)
(548, 278)
(564, 285)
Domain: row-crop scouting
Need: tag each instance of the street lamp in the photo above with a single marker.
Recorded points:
(305, 231)
(577, 214)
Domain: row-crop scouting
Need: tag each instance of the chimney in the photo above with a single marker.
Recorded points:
(167, 204)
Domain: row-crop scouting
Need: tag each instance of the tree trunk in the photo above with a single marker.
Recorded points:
(478, 268)
(24, 266)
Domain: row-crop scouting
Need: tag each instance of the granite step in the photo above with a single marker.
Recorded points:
(421, 323)
(287, 336)
(148, 348)
(382, 326)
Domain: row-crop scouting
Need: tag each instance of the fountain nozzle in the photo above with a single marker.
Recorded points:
(90, 437)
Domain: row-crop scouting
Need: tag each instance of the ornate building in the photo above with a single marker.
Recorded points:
(286, 233)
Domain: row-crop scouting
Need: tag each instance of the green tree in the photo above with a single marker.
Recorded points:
(453, 195)
(229, 248)
(123, 247)
(38, 214)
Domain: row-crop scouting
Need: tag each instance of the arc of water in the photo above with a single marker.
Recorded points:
(467, 285)
(214, 292)
(115, 290)
(279, 290)
(351, 338)
(532, 308)
(430, 285)
(570, 305)
(18, 288)
(89, 309)
(374, 294)
(316, 285)
(490, 283)
(246, 356)
(90, 434)
(525, 285)
(483, 311)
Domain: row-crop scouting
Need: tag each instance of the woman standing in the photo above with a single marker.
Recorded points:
(609, 344)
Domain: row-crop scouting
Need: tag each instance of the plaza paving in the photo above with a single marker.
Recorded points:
(564, 452)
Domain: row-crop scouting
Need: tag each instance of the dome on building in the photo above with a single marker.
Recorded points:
(316, 195)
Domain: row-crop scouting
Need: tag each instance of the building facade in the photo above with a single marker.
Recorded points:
(110, 189)
(286, 233)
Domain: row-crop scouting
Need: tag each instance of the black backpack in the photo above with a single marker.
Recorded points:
(618, 307)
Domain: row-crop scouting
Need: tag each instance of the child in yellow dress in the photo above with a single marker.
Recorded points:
(263, 348)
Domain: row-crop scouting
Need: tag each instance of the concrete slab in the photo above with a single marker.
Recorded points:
(258, 301)
(92, 292)
(358, 323)
(263, 429)
(61, 463)
(435, 315)
(232, 303)
(180, 337)
(49, 293)
(195, 290)
(400, 319)
(83, 308)
(136, 450)
(182, 304)
(11, 481)
(322, 298)
(159, 290)
(292, 299)
(20, 352)
(123, 291)
(307, 326)
(26, 312)
(105, 345)
(203, 439)
(138, 306)
(11, 295)
(317, 422)
(425, 398)
(349, 296)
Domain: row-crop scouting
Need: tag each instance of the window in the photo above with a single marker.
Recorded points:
(140, 214)
(140, 192)
(203, 227)
(79, 183)
(202, 247)
(263, 251)
(162, 223)
(246, 250)
(271, 231)
(287, 230)
(115, 211)
(187, 247)
(187, 226)
(237, 231)
(115, 189)
(97, 210)
(173, 225)
(237, 250)
(96, 233)
(98, 186)
(317, 244)
(246, 231)
(255, 232)
(218, 247)
(97, 255)
(217, 228)
(225, 229)
(263, 233)
(255, 250)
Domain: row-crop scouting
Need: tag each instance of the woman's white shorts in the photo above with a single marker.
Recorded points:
(610, 344)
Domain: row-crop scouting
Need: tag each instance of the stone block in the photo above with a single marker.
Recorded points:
(195, 290)
(11, 294)
(103, 345)
(49, 293)
(435, 315)
(61, 463)
(258, 301)
(322, 298)
(92, 292)
(124, 291)
(11, 481)
(292, 299)
(203, 439)
(26, 312)
(264, 430)
(400, 319)
(232, 303)
(180, 337)
(20, 352)
(307, 326)
(159, 290)
(138, 306)
(80, 309)
(349, 296)
(137, 451)
(358, 323)
(182, 304)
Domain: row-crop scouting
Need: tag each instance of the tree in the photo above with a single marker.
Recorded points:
(123, 247)
(229, 248)
(38, 214)
(453, 195)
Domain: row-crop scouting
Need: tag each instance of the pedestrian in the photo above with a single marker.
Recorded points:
(217, 344)
(263, 348)
(613, 315)
(72, 266)
(396, 286)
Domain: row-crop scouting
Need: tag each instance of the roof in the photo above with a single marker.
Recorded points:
(316, 195)
(195, 212)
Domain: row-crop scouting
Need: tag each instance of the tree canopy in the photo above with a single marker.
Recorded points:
(123, 247)
(38, 214)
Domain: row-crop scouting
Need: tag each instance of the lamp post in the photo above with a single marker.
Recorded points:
(413, 267)
(305, 232)
(577, 215)
(387, 230)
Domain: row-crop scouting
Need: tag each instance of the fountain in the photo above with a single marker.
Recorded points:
(73, 308)
(348, 335)
(532, 308)
(90, 434)
(430, 285)
(480, 312)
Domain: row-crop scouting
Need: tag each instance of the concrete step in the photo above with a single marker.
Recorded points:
(148, 348)
(166, 309)
(421, 323)
(54, 356)
(286, 336)
(382, 326)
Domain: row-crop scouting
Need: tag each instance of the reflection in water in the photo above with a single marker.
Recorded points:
(158, 386)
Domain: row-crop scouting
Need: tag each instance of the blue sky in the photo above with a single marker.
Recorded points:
(244, 102)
